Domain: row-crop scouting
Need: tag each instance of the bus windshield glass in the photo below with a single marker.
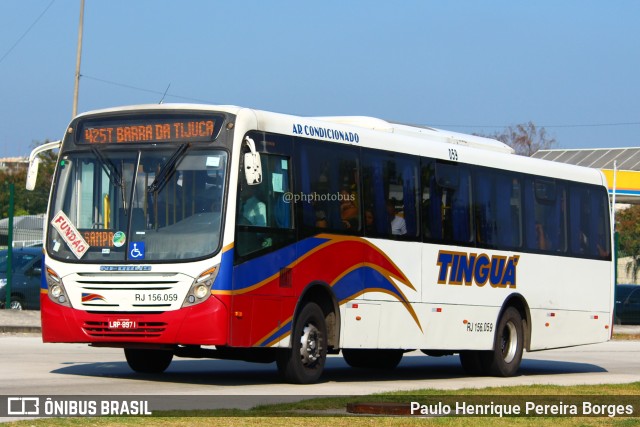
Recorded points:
(140, 205)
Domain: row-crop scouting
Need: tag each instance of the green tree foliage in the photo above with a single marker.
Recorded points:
(628, 227)
(525, 138)
(28, 202)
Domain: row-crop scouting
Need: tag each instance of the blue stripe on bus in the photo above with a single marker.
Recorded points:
(263, 267)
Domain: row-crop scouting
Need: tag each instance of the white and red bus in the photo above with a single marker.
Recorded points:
(226, 232)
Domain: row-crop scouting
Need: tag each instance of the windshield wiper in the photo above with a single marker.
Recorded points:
(112, 173)
(167, 170)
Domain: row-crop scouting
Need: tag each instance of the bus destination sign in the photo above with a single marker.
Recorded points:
(154, 129)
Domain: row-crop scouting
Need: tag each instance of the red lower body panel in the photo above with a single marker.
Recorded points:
(205, 324)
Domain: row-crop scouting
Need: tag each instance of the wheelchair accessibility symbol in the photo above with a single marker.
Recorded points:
(136, 250)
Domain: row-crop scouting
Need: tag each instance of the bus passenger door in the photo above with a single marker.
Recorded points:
(264, 249)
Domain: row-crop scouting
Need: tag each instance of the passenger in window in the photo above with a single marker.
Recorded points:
(369, 223)
(321, 219)
(397, 223)
(584, 242)
(541, 237)
(427, 223)
(254, 210)
(601, 246)
(348, 210)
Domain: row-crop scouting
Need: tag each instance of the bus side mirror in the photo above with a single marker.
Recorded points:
(34, 162)
(32, 174)
(252, 164)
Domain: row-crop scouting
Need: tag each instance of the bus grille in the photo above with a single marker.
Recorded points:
(143, 329)
(127, 292)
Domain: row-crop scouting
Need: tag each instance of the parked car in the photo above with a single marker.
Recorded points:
(627, 309)
(26, 266)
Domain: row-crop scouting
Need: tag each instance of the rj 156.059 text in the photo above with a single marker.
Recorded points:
(479, 327)
(155, 297)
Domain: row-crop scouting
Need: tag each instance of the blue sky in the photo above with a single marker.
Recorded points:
(469, 66)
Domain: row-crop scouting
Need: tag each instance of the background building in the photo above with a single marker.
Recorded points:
(12, 165)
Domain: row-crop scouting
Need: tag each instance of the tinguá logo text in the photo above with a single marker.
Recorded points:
(461, 268)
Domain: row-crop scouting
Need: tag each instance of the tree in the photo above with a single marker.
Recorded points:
(628, 227)
(28, 202)
(525, 138)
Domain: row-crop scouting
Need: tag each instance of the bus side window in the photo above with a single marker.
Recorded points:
(447, 208)
(497, 208)
(328, 188)
(588, 211)
(579, 209)
(600, 223)
(546, 210)
(431, 221)
(264, 215)
(390, 185)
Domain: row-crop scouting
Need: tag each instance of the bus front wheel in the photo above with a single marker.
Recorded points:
(303, 363)
(148, 361)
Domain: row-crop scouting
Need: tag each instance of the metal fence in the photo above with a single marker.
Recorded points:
(20, 273)
(27, 231)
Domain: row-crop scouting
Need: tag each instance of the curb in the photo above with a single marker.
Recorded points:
(21, 329)
(20, 321)
(379, 408)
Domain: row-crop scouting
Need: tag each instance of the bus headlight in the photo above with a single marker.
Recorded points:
(200, 290)
(56, 290)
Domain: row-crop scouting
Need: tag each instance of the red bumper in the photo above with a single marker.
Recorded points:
(204, 324)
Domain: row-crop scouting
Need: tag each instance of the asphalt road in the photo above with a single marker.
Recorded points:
(29, 367)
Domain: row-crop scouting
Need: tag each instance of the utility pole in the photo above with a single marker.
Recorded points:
(76, 88)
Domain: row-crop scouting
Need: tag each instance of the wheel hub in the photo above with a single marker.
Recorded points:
(509, 342)
(310, 348)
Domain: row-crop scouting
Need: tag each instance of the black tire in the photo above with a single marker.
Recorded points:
(383, 359)
(504, 360)
(147, 361)
(303, 363)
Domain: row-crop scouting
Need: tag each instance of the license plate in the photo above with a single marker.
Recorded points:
(122, 324)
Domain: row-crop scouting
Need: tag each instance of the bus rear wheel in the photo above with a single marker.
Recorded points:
(304, 362)
(504, 360)
(386, 359)
(146, 361)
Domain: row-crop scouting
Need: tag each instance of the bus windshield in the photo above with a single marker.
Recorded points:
(138, 204)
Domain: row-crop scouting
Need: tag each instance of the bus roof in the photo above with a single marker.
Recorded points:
(421, 132)
(386, 135)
